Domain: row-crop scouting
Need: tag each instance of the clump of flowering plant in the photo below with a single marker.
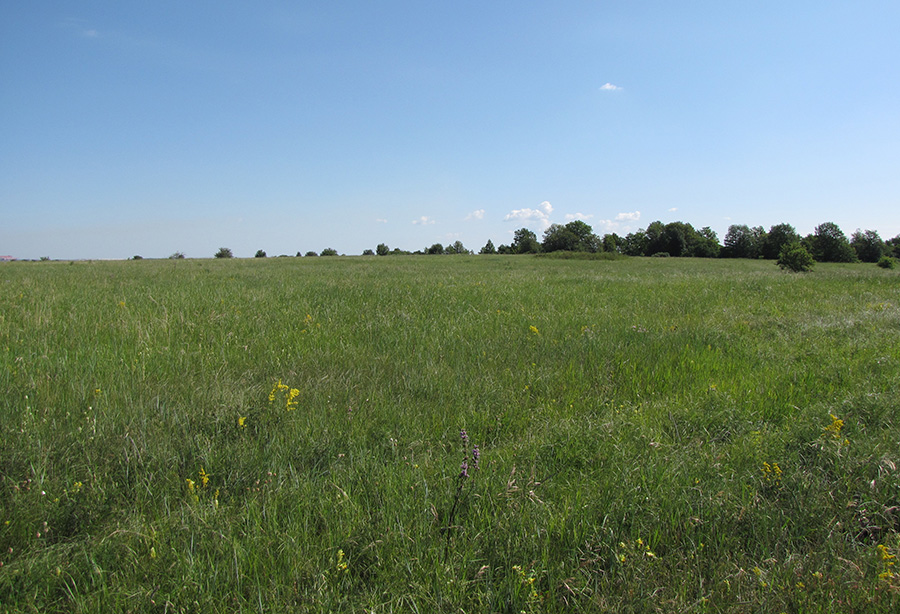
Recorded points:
(463, 478)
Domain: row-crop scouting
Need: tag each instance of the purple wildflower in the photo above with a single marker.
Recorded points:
(476, 454)
(464, 469)
(464, 436)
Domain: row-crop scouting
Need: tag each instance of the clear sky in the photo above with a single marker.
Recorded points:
(154, 127)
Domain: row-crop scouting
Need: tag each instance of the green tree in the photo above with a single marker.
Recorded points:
(830, 244)
(741, 241)
(612, 243)
(525, 242)
(260, 254)
(224, 252)
(435, 249)
(382, 249)
(456, 247)
(368, 252)
(778, 236)
(576, 236)
(488, 248)
(328, 251)
(794, 257)
(868, 245)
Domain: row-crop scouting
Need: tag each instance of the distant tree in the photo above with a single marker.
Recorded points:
(488, 248)
(704, 243)
(612, 243)
(795, 257)
(399, 252)
(868, 245)
(382, 249)
(298, 255)
(136, 257)
(456, 248)
(576, 236)
(741, 241)
(635, 243)
(777, 237)
(329, 252)
(829, 244)
(260, 254)
(224, 252)
(437, 248)
(177, 256)
(525, 242)
(505, 249)
(368, 252)
(894, 246)
(311, 254)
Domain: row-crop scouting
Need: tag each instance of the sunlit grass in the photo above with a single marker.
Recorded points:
(284, 435)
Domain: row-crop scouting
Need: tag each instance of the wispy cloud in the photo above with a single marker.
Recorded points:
(609, 87)
(541, 215)
(578, 216)
(673, 209)
(629, 217)
(475, 215)
(381, 220)
(423, 221)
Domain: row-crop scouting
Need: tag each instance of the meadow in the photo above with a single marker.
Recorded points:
(449, 434)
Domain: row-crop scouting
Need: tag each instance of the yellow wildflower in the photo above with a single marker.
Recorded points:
(242, 421)
(204, 477)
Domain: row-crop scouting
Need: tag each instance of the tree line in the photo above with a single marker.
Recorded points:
(827, 243)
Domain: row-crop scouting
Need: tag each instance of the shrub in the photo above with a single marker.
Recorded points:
(224, 252)
(794, 257)
(310, 254)
(177, 256)
(137, 257)
(886, 262)
(260, 254)
(368, 252)
(329, 252)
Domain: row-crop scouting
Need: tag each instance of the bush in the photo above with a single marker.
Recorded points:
(224, 252)
(329, 252)
(794, 257)
(260, 254)
(137, 257)
(177, 256)
(886, 262)
(310, 254)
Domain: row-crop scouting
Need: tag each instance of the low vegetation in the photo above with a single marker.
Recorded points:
(471, 434)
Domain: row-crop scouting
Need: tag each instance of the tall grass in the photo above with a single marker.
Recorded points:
(630, 416)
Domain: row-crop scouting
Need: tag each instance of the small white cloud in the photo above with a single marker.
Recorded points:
(540, 215)
(578, 216)
(609, 87)
(381, 220)
(475, 215)
(629, 217)
(424, 221)
(673, 209)
(90, 33)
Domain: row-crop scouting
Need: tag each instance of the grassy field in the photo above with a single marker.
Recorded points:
(285, 435)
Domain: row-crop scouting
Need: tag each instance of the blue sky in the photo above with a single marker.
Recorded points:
(148, 128)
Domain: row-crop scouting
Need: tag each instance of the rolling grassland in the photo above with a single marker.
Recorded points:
(449, 434)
